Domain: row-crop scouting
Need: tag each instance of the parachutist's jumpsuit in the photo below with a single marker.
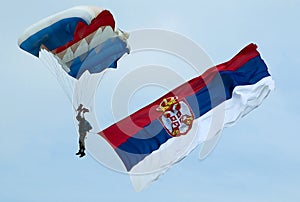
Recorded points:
(84, 127)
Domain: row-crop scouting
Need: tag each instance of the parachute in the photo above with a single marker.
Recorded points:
(80, 38)
(78, 45)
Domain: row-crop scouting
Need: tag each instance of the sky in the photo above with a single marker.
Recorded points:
(255, 160)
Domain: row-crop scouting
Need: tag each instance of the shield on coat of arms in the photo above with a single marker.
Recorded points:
(177, 117)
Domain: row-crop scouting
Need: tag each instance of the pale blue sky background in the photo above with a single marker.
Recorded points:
(256, 160)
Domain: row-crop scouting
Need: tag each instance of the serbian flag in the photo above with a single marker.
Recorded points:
(149, 141)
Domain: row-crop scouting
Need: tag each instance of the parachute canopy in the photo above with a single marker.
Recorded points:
(81, 38)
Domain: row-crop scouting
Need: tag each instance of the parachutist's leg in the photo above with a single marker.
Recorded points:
(82, 149)
(79, 151)
(82, 144)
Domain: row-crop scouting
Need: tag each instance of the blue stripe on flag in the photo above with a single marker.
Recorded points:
(143, 143)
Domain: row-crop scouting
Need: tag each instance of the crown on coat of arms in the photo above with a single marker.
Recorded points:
(166, 103)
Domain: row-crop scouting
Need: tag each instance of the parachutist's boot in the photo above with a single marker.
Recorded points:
(82, 154)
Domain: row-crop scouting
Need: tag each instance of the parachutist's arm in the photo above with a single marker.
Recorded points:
(83, 110)
(78, 117)
(79, 107)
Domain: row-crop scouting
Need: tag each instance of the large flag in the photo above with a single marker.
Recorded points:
(152, 139)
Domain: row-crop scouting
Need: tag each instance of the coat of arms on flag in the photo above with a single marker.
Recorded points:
(177, 118)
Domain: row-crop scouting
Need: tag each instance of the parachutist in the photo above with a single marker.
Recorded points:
(84, 127)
